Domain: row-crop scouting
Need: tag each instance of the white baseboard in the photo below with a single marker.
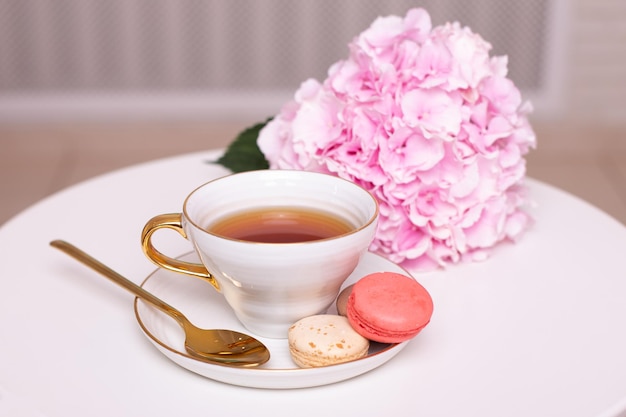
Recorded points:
(227, 106)
(232, 106)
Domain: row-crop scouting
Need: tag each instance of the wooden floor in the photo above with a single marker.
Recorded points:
(38, 160)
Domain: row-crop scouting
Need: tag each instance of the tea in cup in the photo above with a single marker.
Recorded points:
(278, 244)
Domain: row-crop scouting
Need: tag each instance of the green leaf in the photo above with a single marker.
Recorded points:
(244, 154)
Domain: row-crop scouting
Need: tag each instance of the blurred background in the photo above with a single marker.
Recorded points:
(88, 86)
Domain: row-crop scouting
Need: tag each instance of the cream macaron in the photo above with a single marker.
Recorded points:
(325, 339)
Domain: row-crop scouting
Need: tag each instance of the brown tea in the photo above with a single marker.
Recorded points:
(280, 225)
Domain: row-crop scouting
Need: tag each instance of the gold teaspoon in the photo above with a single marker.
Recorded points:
(226, 347)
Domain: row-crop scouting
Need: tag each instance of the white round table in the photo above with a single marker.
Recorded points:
(538, 329)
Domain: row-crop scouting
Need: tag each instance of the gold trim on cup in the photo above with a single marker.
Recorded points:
(172, 221)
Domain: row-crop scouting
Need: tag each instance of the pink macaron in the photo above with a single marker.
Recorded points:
(388, 307)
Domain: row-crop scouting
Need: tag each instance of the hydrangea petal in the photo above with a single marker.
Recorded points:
(427, 121)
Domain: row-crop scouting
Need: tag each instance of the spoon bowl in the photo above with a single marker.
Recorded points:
(226, 347)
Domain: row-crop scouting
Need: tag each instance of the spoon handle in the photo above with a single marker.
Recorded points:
(93, 263)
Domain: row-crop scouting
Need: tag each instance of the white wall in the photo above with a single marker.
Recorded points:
(594, 88)
(586, 65)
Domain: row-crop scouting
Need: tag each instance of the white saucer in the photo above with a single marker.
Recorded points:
(206, 308)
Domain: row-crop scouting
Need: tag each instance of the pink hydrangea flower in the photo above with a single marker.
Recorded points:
(427, 121)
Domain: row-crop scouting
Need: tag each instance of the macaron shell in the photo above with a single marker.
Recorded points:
(388, 307)
(324, 340)
(342, 300)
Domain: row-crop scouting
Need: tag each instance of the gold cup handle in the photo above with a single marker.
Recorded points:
(172, 221)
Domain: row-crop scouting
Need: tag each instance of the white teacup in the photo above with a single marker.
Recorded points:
(271, 285)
